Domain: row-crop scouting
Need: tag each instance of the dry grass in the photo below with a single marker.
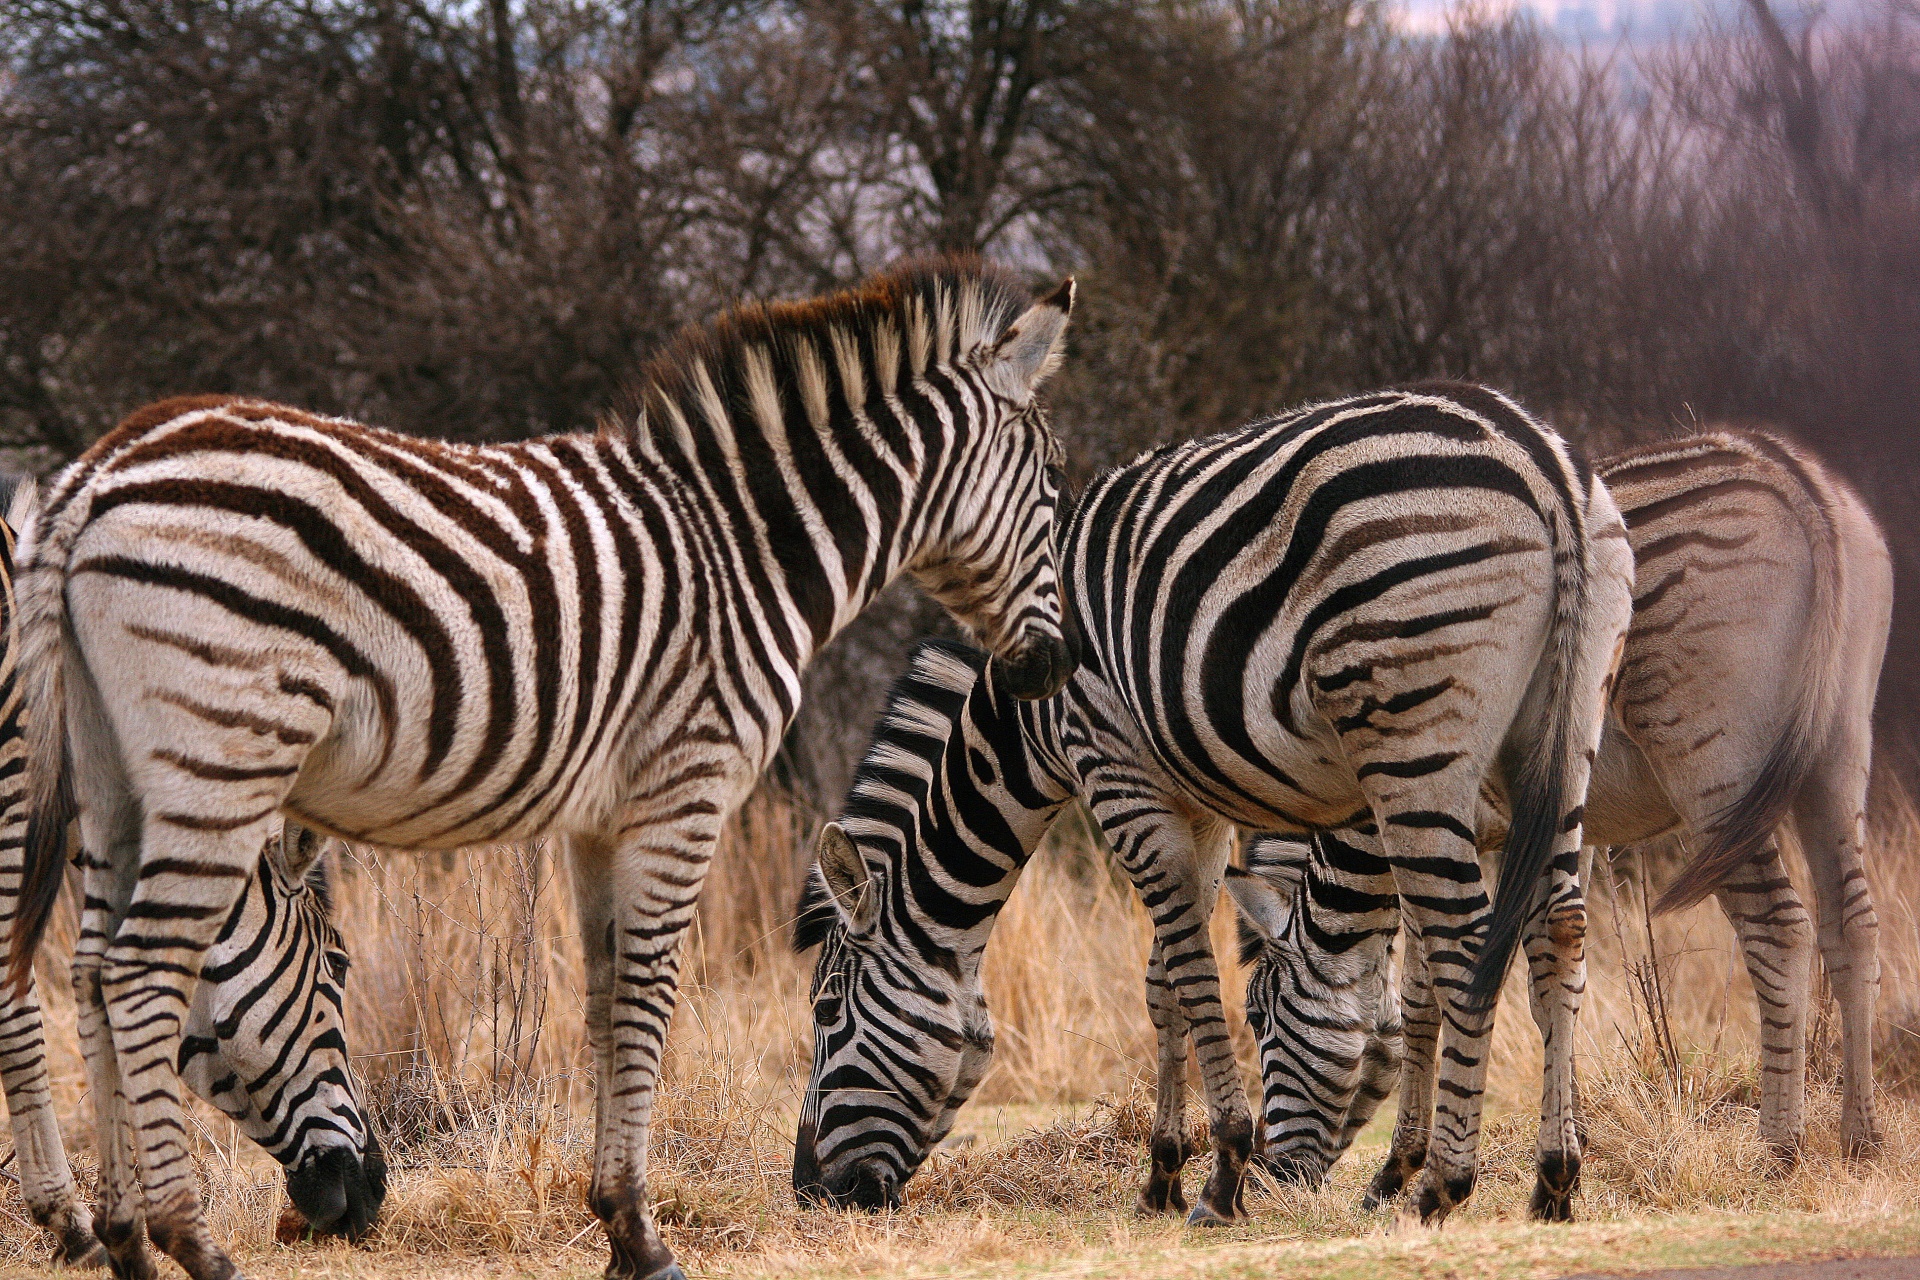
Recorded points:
(465, 1006)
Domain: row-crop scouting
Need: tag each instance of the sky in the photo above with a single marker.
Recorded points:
(1578, 19)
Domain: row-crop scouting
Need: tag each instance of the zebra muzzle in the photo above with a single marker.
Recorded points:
(1037, 667)
(338, 1194)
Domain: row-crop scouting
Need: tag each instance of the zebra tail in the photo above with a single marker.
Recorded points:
(41, 638)
(1740, 830)
(1540, 787)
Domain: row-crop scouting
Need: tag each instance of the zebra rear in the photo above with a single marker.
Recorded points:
(1745, 695)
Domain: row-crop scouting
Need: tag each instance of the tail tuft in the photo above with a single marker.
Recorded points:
(1739, 831)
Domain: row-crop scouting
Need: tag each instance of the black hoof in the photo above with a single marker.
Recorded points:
(1205, 1215)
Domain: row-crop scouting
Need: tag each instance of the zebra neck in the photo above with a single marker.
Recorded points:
(810, 520)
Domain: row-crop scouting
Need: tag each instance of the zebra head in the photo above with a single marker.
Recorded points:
(945, 810)
(1320, 999)
(992, 561)
(265, 1044)
(899, 1045)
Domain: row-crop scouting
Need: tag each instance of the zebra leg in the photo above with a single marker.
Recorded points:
(107, 879)
(1555, 945)
(1831, 814)
(1776, 940)
(1379, 1066)
(191, 875)
(1420, 1032)
(1176, 867)
(1168, 1147)
(46, 1178)
(636, 896)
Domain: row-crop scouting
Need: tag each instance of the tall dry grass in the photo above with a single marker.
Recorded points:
(465, 1014)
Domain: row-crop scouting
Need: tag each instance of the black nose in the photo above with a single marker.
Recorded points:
(1037, 667)
(873, 1188)
(338, 1194)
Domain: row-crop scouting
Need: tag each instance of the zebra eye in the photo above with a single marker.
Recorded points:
(338, 964)
(826, 1011)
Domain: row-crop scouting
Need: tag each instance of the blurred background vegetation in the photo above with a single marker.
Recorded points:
(471, 218)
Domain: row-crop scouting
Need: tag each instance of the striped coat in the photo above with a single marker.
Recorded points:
(1745, 696)
(1354, 609)
(233, 609)
(264, 1039)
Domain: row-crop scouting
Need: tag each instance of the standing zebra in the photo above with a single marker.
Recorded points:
(1355, 609)
(1745, 697)
(232, 609)
(263, 1041)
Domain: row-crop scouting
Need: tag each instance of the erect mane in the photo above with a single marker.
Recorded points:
(924, 313)
(922, 707)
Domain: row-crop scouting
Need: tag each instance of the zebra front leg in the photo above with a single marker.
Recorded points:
(1176, 867)
(1167, 1149)
(1420, 1035)
(1379, 1064)
(46, 1178)
(1776, 940)
(647, 880)
(1555, 944)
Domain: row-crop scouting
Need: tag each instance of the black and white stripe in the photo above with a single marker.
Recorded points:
(1357, 610)
(1745, 696)
(264, 1040)
(235, 609)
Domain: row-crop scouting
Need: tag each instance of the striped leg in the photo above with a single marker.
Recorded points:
(1438, 871)
(1420, 1032)
(1379, 1067)
(46, 1179)
(1176, 867)
(1168, 1146)
(1776, 940)
(1831, 817)
(648, 881)
(193, 875)
(1555, 945)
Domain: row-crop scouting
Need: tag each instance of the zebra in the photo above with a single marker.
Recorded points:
(232, 609)
(1358, 608)
(1745, 697)
(264, 1039)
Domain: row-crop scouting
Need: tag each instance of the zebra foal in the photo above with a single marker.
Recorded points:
(233, 609)
(1745, 698)
(1360, 608)
(264, 1039)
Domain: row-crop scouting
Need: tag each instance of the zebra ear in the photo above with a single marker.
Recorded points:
(298, 851)
(1265, 909)
(1030, 349)
(846, 876)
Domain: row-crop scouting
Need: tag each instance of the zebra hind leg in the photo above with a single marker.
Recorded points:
(1555, 944)
(46, 1179)
(1776, 940)
(1831, 816)
(1167, 1148)
(1420, 1041)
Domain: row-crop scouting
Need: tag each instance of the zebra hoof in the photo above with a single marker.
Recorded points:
(1205, 1215)
(87, 1255)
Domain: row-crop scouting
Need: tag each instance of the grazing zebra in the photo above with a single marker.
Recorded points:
(233, 609)
(263, 1040)
(1357, 608)
(1745, 696)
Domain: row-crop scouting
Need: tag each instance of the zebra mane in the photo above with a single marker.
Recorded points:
(926, 312)
(922, 707)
